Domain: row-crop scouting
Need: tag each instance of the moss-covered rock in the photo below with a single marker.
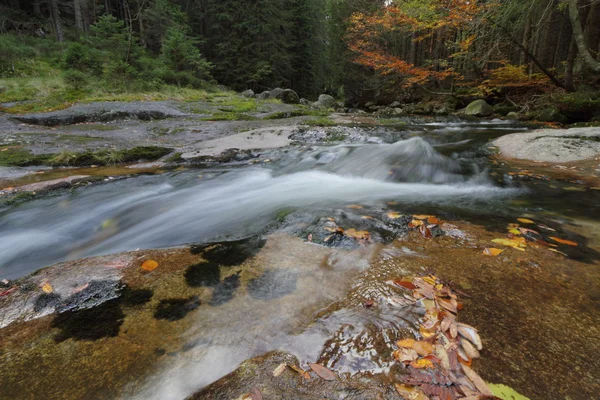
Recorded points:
(479, 108)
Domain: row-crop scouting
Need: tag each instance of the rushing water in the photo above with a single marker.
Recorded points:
(200, 205)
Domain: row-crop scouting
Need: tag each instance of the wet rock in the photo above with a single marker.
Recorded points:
(290, 97)
(102, 112)
(176, 309)
(479, 108)
(248, 93)
(513, 116)
(551, 115)
(276, 93)
(224, 291)
(273, 284)
(305, 102)
(256, 376)
(53, 184)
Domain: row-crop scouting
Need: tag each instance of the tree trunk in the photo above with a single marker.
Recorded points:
(580, 39)
(78, 16)
(570, 66)
(55, 17)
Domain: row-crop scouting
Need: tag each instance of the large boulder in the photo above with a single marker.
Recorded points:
(325, 102)
(289, 97)
(479, 108)
(276, 93)
(248, 93)
(305, 102)
(264, 95)
(551, 115)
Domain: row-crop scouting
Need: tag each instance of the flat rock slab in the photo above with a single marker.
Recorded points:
(102, 112)
(551, 145)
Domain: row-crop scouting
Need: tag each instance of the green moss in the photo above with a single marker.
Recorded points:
(300, 112)
(229, 116)
(324, 121)
(19, 157)
(174, 158)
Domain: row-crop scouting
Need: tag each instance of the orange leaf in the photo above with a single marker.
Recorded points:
(354, 206)
(491, 251)
(46, 288)
(564, 241)
(525, 221)
(149, 265)
(421, 216)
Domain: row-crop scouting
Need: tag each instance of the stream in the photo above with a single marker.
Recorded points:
(439, 168)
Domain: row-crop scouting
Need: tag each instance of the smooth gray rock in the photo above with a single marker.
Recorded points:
(479, 108)
(248, 93)
(551, 145)
(513, 116)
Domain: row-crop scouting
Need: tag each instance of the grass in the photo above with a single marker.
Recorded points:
(41, 94)
(323, 121)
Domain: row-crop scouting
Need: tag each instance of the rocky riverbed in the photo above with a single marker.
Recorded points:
(274, 235)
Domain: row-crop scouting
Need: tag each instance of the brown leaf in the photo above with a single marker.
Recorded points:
(468, 348)
(448, 305)
(477, 381)
(405, 355)
(453, 330)
(425, 232)
(354, 206)
(149, 265)
(423, 348)
(405, 284)
(323, 372)
(353, 233)
(564, 241)
(470, 333)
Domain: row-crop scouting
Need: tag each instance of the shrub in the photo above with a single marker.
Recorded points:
(75, 80)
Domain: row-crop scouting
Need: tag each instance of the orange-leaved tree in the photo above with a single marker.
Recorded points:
(417, 40)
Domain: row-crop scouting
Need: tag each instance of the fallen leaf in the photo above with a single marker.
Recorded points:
(368, 304)
(408, 343)
(410, 392)
(405, 284)
(323, 372)
(433, 220)
(8, 291)
(491, 251)
(422, 364)
(299, 370)
(47, 288)
(353, 233)
(415, 222)
(514, 231)
(149, 265)
(421, 216)
(442, 354)
(559, 252)
(366, 217)
(354, 206)
(336, 229)
(525, 221)
(81, 288)
(448, 305)
(405, 355)
(468, 348)
(423, 348)
(514, 243)
(564, 241)
(279, 370)
(470, 333)
(477, 381)
(425, 232)
(394, 215)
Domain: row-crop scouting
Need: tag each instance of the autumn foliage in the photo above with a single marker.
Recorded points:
(441, 28)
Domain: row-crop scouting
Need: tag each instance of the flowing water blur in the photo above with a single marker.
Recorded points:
(435, 168)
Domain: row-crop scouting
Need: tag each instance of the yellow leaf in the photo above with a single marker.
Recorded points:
(410, 392)
(514, 231)
(491, 251)
(47, 288)
(408, 343)
(525, 221)
(416, 222)
(564, 241)
(358, 234)
(514, 243)
(393, 215)
(421, 364)
(430, 279)
(559, 252)
(149, 265)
